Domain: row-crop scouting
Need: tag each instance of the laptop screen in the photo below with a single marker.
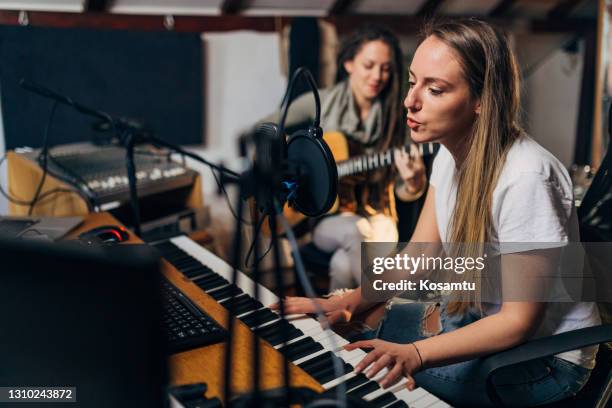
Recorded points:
(87, 318)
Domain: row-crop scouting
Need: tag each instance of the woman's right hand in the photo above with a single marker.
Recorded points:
(336, 308)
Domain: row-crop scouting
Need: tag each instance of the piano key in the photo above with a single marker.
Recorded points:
(259, 317)
(305, 323)
(243, 297)
(384, 399)
(306, 358)
(352, 382)
(225, 292)
(301, 349)
(197, 271)
(336, 381)
(393, 389)
(411, 396)
(213, 282)
(321, 358)
(440, 404)
(330, 373)
(425, 402)
(364, 389)
(398, 404)
(274, 334)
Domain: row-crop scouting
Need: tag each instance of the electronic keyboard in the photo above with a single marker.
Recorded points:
(310, 346)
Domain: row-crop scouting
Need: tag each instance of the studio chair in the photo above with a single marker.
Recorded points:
(595, 216)
(596, 392)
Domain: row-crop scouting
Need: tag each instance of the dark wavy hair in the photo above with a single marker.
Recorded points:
(394, 128)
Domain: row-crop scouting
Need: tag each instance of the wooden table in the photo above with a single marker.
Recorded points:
(206, 364)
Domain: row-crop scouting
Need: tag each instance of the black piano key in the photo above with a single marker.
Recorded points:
(277, 338)
(259, 317)
(277, 326)
(322, 368)
(383, 400)
(243, 304)
(182, 260)
(321, 375)
(185, 262)
(244, 299)
(241, 309)
(352, 382)
(288, 349)
(398, 404)
(210, 283)
(237, 300)
(196, 270)
(321, 357)
(225, 292)
(330, 373)
(364, 389)
(314, 363)
(206, 279)
(301, 348)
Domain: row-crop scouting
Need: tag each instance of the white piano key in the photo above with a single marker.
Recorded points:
(292, 341)
(425, 402)
(410, 397)
(337, 381)
(304, 323)
(267, 324)
(310, 356)
(248, 313)
(331, 343)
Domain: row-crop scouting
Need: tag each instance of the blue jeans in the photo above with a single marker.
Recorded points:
(531, 383)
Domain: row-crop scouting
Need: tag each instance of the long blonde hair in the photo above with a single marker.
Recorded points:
(490, 67)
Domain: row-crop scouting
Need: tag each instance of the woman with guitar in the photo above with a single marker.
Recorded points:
(490, 183)
(361, 115)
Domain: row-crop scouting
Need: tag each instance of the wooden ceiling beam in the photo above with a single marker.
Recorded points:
(405, 25)
(142, 22)
(429, 8)
(96, 6)
(502, 8)
(340, 7)
(233, 6)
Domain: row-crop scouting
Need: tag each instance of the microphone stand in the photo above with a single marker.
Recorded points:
(128, 135)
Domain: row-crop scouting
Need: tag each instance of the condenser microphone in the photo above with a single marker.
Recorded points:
(308, 176)
(300, 170)
(313, 167)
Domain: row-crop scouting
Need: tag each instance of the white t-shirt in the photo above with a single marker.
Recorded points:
(532, 202)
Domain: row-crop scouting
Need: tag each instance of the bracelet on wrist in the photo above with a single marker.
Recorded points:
(419, 354)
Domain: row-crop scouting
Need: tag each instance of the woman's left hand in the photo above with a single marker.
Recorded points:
(411, 168)
(400, 359)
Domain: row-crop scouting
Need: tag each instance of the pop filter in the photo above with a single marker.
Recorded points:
(315, 173)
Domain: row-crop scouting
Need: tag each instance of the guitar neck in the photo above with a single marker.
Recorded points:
(374, 161)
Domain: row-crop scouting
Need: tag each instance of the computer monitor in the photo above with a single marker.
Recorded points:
(83, 317)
